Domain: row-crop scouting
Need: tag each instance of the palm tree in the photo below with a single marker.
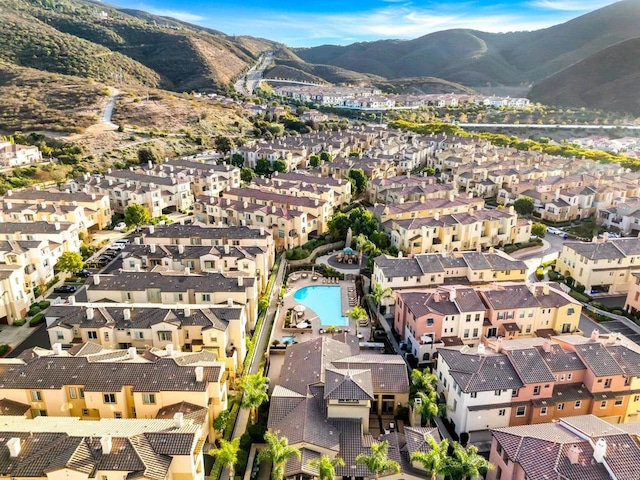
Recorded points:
(326, 466)
(466, 463)
(424, 381)
(378, 294)
(427, 407)
(435, 460)
(227, 454)
(254, 388)
(278, 452)
(357, 313)
(378, 462)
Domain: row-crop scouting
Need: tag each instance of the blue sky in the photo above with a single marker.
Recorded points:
(300, 23)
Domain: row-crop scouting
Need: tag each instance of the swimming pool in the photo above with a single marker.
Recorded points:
(325, 301)
(288, 339)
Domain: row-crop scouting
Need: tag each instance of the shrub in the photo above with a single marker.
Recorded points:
(44, 304)
(33, 310)
(553, 275)
(539, 273)
(19, 323)
(578, 296)
(580, 288)
(4, 348)
(37, 320)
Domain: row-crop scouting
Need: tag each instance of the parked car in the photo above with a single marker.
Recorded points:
(120, 226)
(104, 259)
(116, 246)
(65, 289)
(84, 273)
(122, 241)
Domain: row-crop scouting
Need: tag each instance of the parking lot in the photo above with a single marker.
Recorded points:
(623, 328)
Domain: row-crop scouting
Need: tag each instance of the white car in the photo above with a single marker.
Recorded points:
(120, 226)
(555, 231)
(116, 246)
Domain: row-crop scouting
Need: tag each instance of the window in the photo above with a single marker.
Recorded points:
(603, 404)
(177, 297)
(429, 322)
(59, 335)
(607, 383)
(106, 335)
(502, 412)
(138, 335)
(569, 376)
(521, 410)
(85, 412)
(636, 398)
(164, 336)
(497, 392)
(562, 377)
(466, 333)
(543, 411)
(498, 473)
(619, 401)
(468, 319)
(514, 392)
(72, 392)
(148, 398)
(536, 390)
(578, 404)
(92, 335)
(117, 414)
(206, 297)
(36, 396)
(474, 394)
(560, 406)
(109, 397)
(475, 333)
(81, 392)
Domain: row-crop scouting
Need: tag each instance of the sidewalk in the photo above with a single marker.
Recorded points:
(531, 251)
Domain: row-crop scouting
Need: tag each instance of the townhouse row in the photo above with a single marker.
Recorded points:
(536, 380)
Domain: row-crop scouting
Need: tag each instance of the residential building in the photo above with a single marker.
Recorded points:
(13, 155)
(149, 449)
(426, 209)
(177, 288)
(92, 382)
(204, 178)
(15, 297)
(632, 302)
(624, 216)
(406, 189)
(573, 447)
(62, 236)
(218, 329)
(605, 265)
(34, 257)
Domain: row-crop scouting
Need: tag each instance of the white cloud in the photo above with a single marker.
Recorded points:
(570, 5)
(177, 14)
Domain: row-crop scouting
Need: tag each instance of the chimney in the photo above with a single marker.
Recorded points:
(152, 248)
(240, 281)
(574, 454)
(220, 270)
(399, 253)
(452, 294)
(262, 232)
(14, 447)
(180, 248)
(152, 229)
(90, 313)
(199, 374)
(511, 210)
(187, 271)
(600, 450)
(132, 353)
(137, 268)
(545, 289)
(595, 335)
(71, 300)
(546, 345)
(229, 302)
(178, 419)
(9, 205)
(437, 216)
(150, 165)
(481, 349)
(96, 279)
(226, 249)
(137, 241)
(57, 348)
(127, 313)
(605, 237)
(106, 444)
(57, 225)
(169, 349)
(436, 297)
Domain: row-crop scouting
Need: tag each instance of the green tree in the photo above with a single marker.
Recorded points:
(227, 454)
(221, 421)
(435, 460)
(363, 221)
(424, 381)
(378, 462)
(224, 144)
(278, 452)
(263, 167)
(326, 156)
(338, 225)
(70, 262)
(523, 206)
(136, 215)
(149, 154)
(539, 230)
(280, 166)
(254, 388)
(378, 293)
(359, 178)
(326, 466)
(247, 174)
(467, 463)
(237, 160)
(314, 161)
(263, 303)
(426, 406)
(430, 171)
(357, 313)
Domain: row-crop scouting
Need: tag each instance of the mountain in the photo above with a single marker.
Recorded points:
(608, 80)
(477, 58)
(97, 41)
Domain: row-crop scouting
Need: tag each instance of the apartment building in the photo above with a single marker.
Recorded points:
(92, 382)
(434, 269)
(318, 211)
(218, 329)
(573, 447)
(15, 298)
(536, 380)
(624, 216)
(204, 178)
(13, 155)
(62, 236)
(470, 230)
(34, 257)
(251, 261)
(199, 234)
(87, 211)
(605, 265)
(175, 288)
(293, 224)
(427, 209)
(150, 449)
(406, 189)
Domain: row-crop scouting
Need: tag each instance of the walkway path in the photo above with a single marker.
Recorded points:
(261, 347)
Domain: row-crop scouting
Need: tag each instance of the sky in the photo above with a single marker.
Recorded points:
(305, 23)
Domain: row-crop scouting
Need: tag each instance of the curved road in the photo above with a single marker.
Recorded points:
(247, 84)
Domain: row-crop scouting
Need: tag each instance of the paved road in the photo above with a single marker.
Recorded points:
(108, 109)
(565, 127)
(247, 84)
(38, 338)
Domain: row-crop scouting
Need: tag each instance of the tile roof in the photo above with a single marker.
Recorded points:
(560, 360)
(13, 408)
(530, 366)
(348, 384)
(199, 282)
(598, 359)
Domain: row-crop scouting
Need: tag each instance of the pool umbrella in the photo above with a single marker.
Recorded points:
(302, 325)
(299, 308)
